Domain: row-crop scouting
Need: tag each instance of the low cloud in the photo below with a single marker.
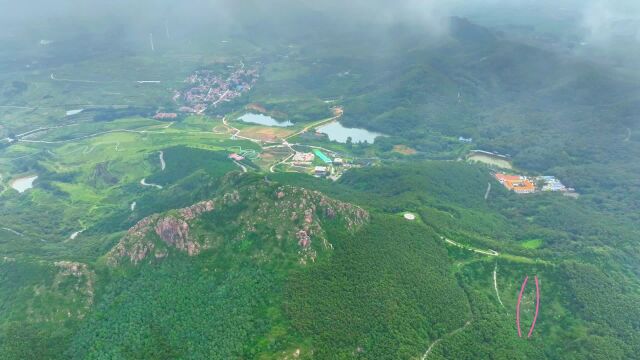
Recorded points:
(607, 21)
(600, 21)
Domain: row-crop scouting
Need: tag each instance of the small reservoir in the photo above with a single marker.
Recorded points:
(336, 131)
(24, 183)
(265, 120)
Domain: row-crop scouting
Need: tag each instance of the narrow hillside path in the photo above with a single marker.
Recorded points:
(53, 77)
(16, 107)
(143, 182)
(12, 231)
(235, 132)
(433, 344)
(4, 186)
(244, 168)
(495, 283)
(486, 194)
(46, 128)
(271, 169)
(163, 165)
(91, 136)
(75, 234)
(20, 137)
(488, 252)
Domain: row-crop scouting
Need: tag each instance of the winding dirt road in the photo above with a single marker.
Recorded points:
(244, 168)
(163, 165)
(486, 194)
(143, 182)
(4, 186)
(271, 169)
(54, 78)
(12, 231)
(488, 252)
(426, 354)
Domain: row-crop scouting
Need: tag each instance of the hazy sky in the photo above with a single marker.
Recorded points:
(596, 20)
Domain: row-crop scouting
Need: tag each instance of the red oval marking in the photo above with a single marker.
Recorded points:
(535, 317)
(524, 284)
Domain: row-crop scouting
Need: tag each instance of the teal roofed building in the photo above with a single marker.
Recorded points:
(322, 156)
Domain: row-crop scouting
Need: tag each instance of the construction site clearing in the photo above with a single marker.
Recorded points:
(526, 185)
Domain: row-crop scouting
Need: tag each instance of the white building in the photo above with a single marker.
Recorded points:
(303, 157)
(320, 171)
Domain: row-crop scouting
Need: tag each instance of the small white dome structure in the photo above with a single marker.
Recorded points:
(409, 216)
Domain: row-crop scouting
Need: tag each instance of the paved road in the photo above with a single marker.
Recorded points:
(271, 169)
(316, 124)
(215, 103)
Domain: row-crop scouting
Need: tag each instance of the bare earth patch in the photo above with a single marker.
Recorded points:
(404, 150)
(265, 133)
(256, 107)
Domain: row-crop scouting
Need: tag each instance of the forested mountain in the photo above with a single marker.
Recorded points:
(142, 216)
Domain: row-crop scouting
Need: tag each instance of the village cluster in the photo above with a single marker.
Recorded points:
(527, 185)
(206, 88)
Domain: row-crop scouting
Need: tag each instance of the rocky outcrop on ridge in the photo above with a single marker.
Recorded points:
(288, 216)
(173, 230)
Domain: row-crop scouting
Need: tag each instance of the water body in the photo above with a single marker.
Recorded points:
(24, 183)
(265, 120)
(336, 131)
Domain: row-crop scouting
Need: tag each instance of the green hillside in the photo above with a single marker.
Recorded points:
(159, 225)
(255, 289)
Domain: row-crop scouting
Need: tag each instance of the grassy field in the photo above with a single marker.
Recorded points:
(95, 168)
(532, 244)
(491, 161)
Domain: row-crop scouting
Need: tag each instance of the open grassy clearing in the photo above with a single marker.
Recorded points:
(97, 175)
(532, 244)
(491, 161)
